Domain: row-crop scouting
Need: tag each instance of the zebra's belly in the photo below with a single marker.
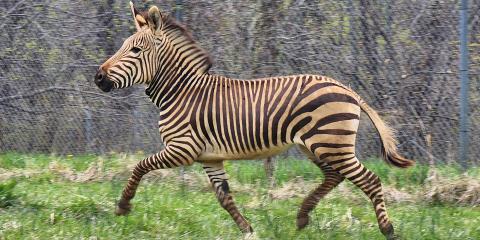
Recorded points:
(262, 153)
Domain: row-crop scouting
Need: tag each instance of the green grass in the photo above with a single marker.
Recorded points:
(7, 198)
(47, 206)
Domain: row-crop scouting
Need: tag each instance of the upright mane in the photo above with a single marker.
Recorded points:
(172, 26)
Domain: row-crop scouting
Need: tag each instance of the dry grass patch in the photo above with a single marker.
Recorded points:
(297, 187)
(463, 191)
(6, 174)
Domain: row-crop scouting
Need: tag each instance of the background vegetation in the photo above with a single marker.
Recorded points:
(401, 56)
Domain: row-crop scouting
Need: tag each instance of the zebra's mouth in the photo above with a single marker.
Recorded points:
(102, 82)
(105, 85)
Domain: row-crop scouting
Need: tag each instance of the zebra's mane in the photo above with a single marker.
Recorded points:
(171, 24)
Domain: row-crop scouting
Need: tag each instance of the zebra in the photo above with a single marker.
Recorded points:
(207, 118)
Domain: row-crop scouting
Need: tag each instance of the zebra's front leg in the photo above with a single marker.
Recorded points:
(167, 158)
(219, 181)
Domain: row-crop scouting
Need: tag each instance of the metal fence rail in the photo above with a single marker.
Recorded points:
(401, 56)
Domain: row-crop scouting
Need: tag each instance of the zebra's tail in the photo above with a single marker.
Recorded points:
(387, 136)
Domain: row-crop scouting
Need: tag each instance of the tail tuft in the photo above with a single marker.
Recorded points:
(393, 158)
(389, 142)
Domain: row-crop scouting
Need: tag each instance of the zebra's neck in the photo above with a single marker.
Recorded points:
(180, 61)
(168, 86)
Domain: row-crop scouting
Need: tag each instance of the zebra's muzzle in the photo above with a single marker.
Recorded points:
(102, 81)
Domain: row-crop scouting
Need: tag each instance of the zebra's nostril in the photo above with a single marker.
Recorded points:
(99, 76)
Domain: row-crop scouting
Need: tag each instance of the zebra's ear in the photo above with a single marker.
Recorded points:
(155, 19)
(137, 17)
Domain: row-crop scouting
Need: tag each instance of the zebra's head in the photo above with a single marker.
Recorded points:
(132, 63)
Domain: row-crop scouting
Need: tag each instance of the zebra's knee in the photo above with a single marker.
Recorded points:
(222, 191)
(224, 197)
(225, 188)
(374, 189)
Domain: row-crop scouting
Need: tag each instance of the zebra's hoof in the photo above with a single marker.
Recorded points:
(123, 208)
(388, 231)
(246, 228)
(302, 222)
(250, 236)
(392, 237)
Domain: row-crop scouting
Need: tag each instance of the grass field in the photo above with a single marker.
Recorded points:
(51, 197)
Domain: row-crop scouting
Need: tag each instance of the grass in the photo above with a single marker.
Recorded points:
(48, 205)
(7, 198)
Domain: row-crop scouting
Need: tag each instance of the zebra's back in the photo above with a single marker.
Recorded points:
(246, 119)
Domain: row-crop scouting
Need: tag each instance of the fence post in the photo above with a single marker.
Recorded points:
(464, 85)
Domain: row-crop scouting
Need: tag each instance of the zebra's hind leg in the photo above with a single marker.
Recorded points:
(350, 167)
(164, 159)
(219, 181)
(332, 179)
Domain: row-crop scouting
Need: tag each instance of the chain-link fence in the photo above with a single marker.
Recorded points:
(401, 56)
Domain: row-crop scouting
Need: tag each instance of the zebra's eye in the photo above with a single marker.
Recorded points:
(136, 50)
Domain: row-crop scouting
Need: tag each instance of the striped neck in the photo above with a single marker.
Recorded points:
(180, 60)
(167, 85)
